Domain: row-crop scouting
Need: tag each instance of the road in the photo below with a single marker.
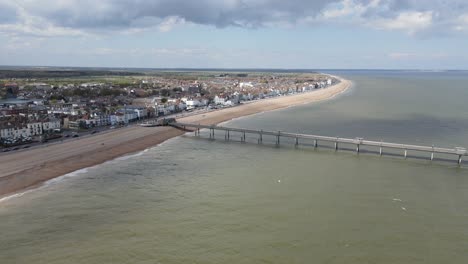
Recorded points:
(68, 135)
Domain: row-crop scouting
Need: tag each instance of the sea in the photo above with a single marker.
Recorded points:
(196, 200)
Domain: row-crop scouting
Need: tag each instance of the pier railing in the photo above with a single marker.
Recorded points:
(357, 142)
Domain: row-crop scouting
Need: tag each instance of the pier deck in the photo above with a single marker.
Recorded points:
(357, 142)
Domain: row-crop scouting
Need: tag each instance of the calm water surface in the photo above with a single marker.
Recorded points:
(192, 200)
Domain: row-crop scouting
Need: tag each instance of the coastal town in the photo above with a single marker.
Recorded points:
(36, 110)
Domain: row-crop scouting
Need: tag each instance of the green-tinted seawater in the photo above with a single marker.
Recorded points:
(192, 200)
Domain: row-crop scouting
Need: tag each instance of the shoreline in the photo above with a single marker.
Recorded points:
(26, 170)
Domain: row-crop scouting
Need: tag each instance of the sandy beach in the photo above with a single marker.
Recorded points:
(29, 168)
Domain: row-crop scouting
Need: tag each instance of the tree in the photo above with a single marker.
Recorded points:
(164, 92)
(164, 100)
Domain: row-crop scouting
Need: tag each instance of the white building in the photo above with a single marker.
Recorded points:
(117, 119)
(191, 104)
(124, 116)
(246, 84)
(51, 125)
(162, 110)
(182, 106)
(23, 131)
(95, 121)
(14, 133)
(35, 129)
(141, 112)
(219, 100)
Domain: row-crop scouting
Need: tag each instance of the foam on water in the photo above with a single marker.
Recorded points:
(48, 183)
(66, 176)
(16, 195)
(127, 157)
(75, 174)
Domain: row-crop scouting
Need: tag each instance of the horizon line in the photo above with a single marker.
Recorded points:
(232, 68)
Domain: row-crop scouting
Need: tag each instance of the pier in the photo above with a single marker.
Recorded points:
(358, 143)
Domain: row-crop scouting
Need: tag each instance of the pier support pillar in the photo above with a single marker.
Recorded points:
(212, 133)
(243, 136)
(357, 148)
(297, 142)
(315, 143)
(278, 138)
(406, 153)
(380, 151)
(336, 146)
(432, 153)
(459, 159)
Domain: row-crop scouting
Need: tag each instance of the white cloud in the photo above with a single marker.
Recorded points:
(182, 52)
(416, 55)
(31, 25)
(401, 55)
(170, 22)
(349, 8)
(462, 23)
(410, 22)
(17, 44)
(51, 18)
(379, 14)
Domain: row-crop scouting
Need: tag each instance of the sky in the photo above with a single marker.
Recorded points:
(283, 34)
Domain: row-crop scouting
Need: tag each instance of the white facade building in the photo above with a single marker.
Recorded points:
(51, 125)
(191, 104)
(35, 128)
(141, 112)
(117, 119)
(219, 100)
(23, 131)
(14, 133)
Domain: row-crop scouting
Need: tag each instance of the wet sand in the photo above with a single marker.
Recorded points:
(29, 168)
